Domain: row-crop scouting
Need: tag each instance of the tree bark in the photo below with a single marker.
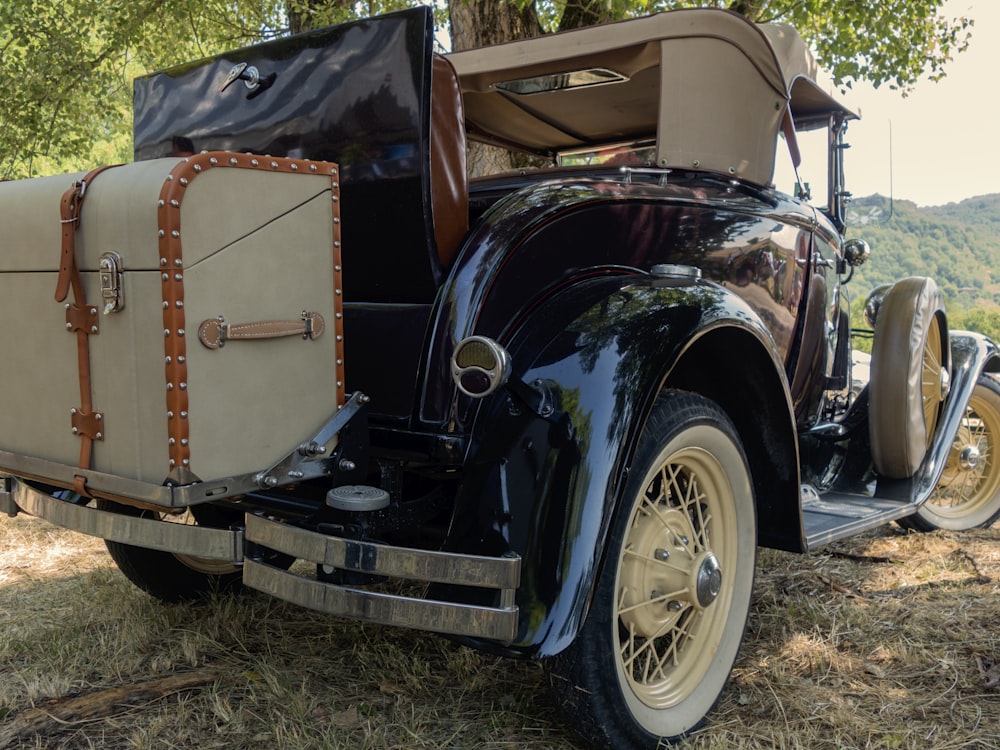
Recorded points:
(478, 23)
(53, 716)
(580, 13)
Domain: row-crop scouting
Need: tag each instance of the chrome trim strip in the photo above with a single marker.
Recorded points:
(7, 504)
(385, 609)
(503, 573)
(380, 559)
(180, 539)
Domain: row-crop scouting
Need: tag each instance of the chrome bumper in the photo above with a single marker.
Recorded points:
(500, 574)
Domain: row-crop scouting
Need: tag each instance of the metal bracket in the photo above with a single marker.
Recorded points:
(311, 459)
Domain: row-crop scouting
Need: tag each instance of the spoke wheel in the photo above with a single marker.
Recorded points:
(671, 578)
(968, 493)
(672, 599)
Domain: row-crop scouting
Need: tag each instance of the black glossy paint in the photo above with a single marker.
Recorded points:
(548, 235)
(556, 268)
(357, 94)
(547, 487)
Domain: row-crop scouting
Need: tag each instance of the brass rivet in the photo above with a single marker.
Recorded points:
(99, 436)
(197, 167)
(73, 410)
(182, 359)
(163, 261)
(175, 203)
(175, 234)
(183, 181)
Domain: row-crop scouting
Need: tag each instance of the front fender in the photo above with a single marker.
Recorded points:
(547, 487)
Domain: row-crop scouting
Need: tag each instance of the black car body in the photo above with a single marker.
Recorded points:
(526, 353)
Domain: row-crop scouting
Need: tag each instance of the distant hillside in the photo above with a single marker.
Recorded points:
(958, 245)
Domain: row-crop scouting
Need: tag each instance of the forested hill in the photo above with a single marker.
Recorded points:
(958, 245)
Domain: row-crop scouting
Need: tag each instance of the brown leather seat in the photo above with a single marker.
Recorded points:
(449, 176)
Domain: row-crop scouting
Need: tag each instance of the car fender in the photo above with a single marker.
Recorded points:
(543, 474)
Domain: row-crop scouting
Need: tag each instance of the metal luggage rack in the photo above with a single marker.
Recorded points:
(312, 459)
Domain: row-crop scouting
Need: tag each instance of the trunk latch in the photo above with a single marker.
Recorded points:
(112, 281)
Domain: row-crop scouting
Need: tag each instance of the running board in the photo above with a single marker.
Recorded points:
(831, 516)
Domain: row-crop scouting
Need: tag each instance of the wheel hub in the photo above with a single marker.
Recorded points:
(663, 577)
(708, 579)
(969, 458)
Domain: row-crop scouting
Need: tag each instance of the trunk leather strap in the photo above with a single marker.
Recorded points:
(81, 319)
(215, 332)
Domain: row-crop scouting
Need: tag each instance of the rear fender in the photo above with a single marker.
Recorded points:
(545, 485)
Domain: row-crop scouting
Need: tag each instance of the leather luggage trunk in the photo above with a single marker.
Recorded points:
(248, 240)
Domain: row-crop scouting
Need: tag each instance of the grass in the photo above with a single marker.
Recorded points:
(886, 641)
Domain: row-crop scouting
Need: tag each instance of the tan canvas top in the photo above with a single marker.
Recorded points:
(709, 86)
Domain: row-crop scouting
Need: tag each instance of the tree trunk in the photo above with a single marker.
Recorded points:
(580, 13)
(478, 23)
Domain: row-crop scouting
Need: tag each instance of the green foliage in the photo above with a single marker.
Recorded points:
(958, 245)
(66, 65)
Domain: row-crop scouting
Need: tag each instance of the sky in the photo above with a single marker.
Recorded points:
(945, 135)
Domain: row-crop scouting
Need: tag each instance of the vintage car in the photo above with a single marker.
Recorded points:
(550, 412)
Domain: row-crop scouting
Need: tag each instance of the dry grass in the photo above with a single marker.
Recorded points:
(889, 641)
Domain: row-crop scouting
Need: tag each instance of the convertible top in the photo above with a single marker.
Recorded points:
(712, 88)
